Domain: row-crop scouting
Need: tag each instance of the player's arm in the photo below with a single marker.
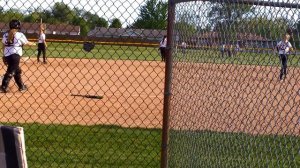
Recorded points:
(291, 47)
(44, 39)
(3, 57)
(276, 49)
(26, 42)
(3, 49)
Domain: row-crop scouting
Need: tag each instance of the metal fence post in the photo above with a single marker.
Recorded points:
(167, 89)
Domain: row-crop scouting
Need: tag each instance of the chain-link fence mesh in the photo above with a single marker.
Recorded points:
(94, 106)
(232, 103)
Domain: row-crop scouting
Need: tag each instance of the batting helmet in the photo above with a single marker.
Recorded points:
(14, 24)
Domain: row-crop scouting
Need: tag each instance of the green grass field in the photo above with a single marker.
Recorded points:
(114, 52)
(211, 149)
(68, 146)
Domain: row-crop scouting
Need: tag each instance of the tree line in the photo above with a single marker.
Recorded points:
(152, 15)
(230, 19)
(227, 19)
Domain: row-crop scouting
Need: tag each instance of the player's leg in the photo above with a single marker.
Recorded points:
(10, 72)
(17, 74)
(162, 54)
(44, 53)
(39, 52)
(284, 64)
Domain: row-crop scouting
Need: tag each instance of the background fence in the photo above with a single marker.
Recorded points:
(123, 129)
(228, 106)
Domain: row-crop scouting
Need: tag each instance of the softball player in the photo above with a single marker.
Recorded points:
(13, 42)
(284, 47)
(162, 48)
(42, 45)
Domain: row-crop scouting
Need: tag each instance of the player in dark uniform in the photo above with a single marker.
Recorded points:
(13, 42)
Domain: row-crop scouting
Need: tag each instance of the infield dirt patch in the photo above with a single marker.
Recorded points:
(218, 97)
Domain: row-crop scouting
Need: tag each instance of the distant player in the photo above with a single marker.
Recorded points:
(284, 47)
(42, 45)
(222, 49)
(162, 48)
(183, 47)
(229, 50)
(13, 42)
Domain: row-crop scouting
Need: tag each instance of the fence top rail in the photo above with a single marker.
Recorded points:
(249, 2)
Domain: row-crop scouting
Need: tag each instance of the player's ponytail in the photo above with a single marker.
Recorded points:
(14, 26)
(11, 35)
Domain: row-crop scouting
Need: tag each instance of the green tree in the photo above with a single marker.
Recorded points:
(32, 17)
(101, 22)
(271, 29)
(84, 28)
(223, 16)
(6, 16)
(184, 26)
(153, 15)
(93, 20)
(62, 12)
(116, 23)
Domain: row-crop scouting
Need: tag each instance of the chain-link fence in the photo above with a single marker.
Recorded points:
(95, 99)
(235, 84)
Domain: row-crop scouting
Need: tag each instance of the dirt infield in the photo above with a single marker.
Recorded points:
(235, 98)
(231, 98)
(132, 90)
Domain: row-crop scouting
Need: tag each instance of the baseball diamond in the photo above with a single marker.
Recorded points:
(154, 83)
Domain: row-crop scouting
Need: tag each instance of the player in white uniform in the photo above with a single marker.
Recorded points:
(162, 48)
(284, 47)
(13, 42)
(42, 45)
(183, 47)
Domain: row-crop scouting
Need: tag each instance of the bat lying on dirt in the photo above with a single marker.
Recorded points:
(88, 96)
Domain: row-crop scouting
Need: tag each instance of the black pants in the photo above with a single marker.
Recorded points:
(41, 49)
(163, 53)
(283, 60)
(222, 53)
(13, 70)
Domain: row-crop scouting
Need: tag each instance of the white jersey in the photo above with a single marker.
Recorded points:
(283, 47)
(163, 43)
(15, 47)
(42, 38)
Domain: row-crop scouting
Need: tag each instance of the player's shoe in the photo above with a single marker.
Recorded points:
(2, 90)
(23, 88)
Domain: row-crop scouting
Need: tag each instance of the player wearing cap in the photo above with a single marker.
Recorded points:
(13, 42)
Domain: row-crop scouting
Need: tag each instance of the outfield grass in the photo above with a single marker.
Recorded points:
(211, 149)
(114, 52)
(68, 146)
